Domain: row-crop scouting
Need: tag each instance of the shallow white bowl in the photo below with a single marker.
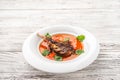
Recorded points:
(34, 58)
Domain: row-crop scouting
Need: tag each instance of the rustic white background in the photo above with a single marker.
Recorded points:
(20, 18)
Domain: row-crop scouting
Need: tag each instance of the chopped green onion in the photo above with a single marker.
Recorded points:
(45, 52)
(58, 58)
(47, 35)
(78, 52)
(81, 37)
(66, 39)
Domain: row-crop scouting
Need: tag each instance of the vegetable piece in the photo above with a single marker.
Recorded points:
(47, 35)
(66, 39)
(78, 52)
(51, 55)
(81, 37)
(58, 58)
(45, 52)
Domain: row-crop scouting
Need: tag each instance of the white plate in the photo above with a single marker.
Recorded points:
(34, 58)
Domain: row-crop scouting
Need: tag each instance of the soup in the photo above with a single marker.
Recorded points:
(61, 47)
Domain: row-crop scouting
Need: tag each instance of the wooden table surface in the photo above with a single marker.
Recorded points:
(20, 18)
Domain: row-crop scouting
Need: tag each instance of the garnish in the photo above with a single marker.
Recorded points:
(58, 58)
(45, 52)
(51, 55)
(81, 37)
(66, 39)
(78, 52)
(47, 35)
(59, 47)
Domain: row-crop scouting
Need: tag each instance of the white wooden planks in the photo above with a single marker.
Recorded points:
(20, 18)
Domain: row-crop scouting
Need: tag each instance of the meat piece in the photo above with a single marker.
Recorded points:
(61, 48)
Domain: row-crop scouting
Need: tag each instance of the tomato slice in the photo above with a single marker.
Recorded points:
(51, 55)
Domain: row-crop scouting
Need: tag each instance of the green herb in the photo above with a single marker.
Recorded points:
(81, 37)
(45, 52)
(58, 58)
(47, 35)
(66, 39)
(78, 52)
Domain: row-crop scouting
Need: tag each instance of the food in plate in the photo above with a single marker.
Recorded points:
(62, 46)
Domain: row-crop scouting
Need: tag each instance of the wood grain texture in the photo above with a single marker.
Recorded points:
(20, 18)
(59, 4)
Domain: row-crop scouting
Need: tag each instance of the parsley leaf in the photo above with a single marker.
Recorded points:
(78, 52)
(45, 52)
(81, 37)
(66, 39)
(47, 35)
(58, 58)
